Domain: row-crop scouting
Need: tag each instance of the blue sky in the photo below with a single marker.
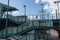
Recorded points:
(31, 7)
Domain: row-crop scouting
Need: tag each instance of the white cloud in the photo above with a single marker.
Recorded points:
(15, 13)
(46, 7)
(37, 1)
(51, 3)
(33, 17)
(52, 6)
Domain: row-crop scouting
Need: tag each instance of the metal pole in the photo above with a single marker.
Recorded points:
(42, 11)
(42, 19)
(7, 19)
(35, 34)
(58, 8)
(57, 5)
(25, 11)
(56, 14)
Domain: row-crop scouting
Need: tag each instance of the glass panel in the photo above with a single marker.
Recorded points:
(47, 23)
(19, 29)
(25, 27)
(9, 30)
(31, 37)
(36, 23)
(14, 30)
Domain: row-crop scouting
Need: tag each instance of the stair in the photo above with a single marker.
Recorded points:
(26, 27)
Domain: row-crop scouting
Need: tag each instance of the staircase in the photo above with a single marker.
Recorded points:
(24, 28)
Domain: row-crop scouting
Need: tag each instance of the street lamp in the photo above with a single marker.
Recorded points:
(57, 5)
(24, 11)
(42, 11)
(7, 18)
(56, 14)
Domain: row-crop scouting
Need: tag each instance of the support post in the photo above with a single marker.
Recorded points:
(7, 19)
(34, 34)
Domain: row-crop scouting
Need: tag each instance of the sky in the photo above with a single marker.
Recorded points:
(32, 6)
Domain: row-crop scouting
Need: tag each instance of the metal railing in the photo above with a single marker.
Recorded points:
(16, 19)
(44, 16)
(33, 21)
(28, 25)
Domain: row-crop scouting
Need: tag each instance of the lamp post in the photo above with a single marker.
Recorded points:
(56, 14)
(24, 11)
(42, 11)
(7, 18)
(57, 5)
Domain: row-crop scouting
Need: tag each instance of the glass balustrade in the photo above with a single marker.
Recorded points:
(9, 31)
(25, 27)
(15, 19)
(29, 37)
(19, 28)
(29, 25)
